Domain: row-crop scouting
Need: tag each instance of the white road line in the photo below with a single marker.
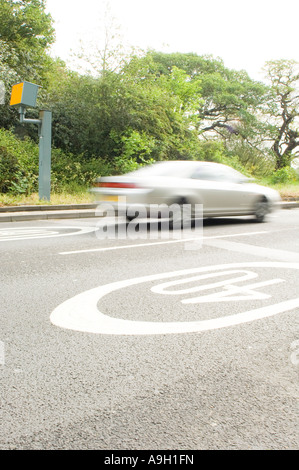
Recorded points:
(271, 253)
(28, 233)
(181, 240)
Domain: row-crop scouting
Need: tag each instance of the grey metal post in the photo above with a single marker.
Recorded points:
(24, 95)
(45, 135)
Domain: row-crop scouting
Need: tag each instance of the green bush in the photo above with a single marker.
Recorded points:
(8, 167)
(19, 167)
(72, 173)
(258, 164)
(284, 175)
(215, 151)
(18, 164)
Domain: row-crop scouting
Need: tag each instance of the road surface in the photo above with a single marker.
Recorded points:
(153, 341)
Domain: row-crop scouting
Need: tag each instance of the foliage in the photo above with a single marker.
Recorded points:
(19, 167)
(8, 77)
(254, 160)
(285, 175)
(105, 117)
(283, 110)
(138, 109)
(26, 32)
(18, 164)
(137, 144)
(229, 98)
(25, 26)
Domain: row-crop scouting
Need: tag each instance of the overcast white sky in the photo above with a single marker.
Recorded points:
(244, 34)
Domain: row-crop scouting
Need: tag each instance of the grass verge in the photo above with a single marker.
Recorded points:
(287, 192)
(33, 199)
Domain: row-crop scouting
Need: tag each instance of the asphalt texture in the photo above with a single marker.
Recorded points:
(71, 383)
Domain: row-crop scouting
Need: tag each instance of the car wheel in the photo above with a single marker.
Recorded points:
(179, 218)
(261, 209)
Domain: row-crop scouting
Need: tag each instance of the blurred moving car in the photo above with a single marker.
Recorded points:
(221, 190)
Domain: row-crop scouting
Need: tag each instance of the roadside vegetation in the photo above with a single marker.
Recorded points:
(128, 109)
(288, 192)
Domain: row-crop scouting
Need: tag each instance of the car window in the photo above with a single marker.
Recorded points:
(204, 173)
(176, 169)
(189, 169)
(229, 174)
(218, 173)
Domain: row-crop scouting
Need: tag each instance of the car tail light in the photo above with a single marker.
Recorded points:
(114, 185)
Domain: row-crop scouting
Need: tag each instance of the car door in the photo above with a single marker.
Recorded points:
(221, 190)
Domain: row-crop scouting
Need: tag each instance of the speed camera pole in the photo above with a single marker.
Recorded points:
(24, 95)
(44, 178)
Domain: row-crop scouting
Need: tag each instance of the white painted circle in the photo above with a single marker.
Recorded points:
(29, 233)
(80, 313)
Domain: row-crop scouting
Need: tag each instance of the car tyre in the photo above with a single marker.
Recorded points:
(261, 209)
(179, 221)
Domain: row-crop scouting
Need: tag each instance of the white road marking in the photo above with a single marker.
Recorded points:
(80, 313)
(26, 233)
(228, 295)
(272, 253)
(23, 234)
(181, 240)
(244, 293)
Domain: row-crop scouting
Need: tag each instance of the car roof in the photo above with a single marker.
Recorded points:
(184, 166)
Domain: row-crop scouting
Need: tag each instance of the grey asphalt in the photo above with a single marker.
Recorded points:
(226, 388)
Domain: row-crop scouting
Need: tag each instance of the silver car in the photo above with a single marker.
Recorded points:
(218, 189)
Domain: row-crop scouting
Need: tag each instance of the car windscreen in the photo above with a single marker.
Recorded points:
(189, 169)
(218, 173)
(175, 169)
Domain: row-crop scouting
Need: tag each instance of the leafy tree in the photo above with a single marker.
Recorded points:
(229, 99)
(117, 115)
(26, 31)
(25, 26)
(8, 77)
(283, 110)
(230, 108)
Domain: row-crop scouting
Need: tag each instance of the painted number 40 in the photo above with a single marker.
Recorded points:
(230, 291)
